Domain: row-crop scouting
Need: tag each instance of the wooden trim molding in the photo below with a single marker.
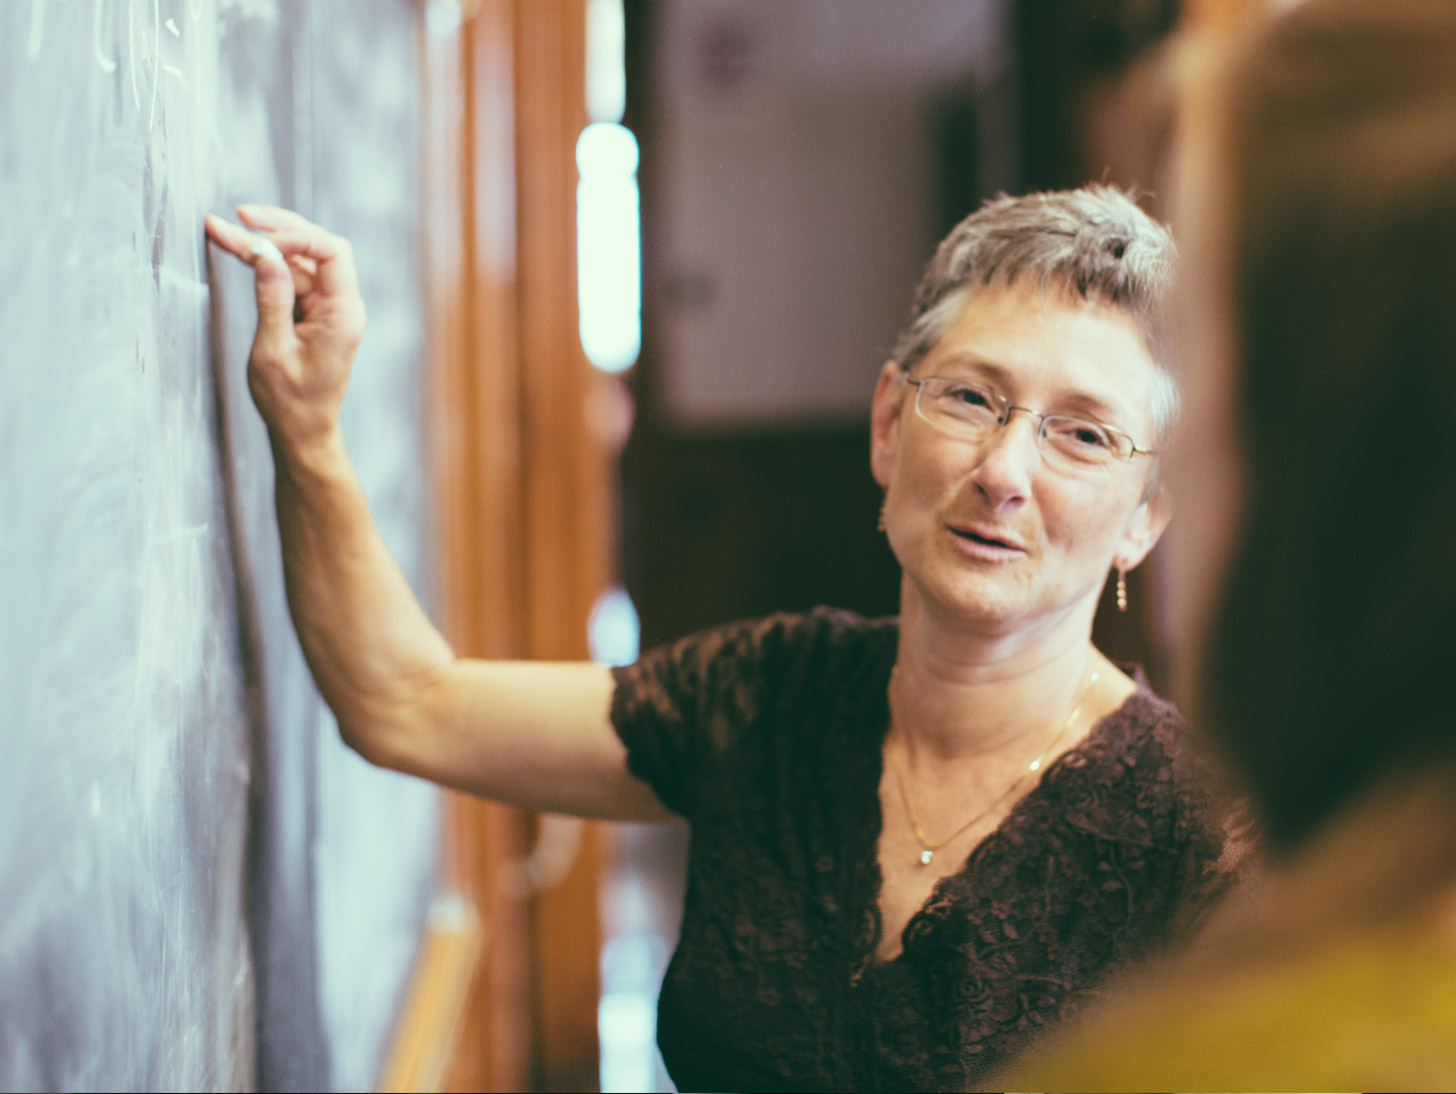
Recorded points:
(568, 487)
(468, 219)
(525, 517)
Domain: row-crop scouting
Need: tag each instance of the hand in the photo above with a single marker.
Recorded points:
(310, 319)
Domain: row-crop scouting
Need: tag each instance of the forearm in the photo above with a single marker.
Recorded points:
(373, 652)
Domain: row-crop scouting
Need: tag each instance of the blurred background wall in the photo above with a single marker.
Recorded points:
(799, 162)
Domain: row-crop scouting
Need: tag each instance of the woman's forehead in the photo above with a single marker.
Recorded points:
(1034, 343)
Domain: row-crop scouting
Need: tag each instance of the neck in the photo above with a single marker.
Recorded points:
(960, 693)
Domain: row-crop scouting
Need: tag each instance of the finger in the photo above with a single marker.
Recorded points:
(273, 284)
(270, 217)
(332, 256)
(334, 273)
(247, 246)
(305, 272)
(277, 281)
(231, 238)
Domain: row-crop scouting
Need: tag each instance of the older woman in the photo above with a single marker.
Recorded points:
(914, 842)
(1315, 591)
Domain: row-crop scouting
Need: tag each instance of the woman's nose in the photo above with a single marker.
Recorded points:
(1008, 459)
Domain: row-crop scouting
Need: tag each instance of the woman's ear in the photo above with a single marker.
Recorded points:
(1144, 529)
(885, 421)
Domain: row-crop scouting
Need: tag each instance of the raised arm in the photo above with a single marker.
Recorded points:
(534, 734)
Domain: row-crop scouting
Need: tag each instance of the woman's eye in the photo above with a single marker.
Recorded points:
(1084, 435)
(969, 396)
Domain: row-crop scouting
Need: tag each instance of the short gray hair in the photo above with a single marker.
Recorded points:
(1093, 241)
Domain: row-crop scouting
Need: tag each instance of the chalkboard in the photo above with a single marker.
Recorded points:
(200, 888)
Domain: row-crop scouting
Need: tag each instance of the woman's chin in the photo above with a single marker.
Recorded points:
(983, 601)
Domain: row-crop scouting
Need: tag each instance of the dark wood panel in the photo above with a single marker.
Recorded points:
(724, 526)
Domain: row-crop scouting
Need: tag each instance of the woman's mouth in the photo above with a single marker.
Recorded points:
(988, 544)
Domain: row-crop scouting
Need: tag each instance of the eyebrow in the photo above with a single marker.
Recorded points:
(1082, 403)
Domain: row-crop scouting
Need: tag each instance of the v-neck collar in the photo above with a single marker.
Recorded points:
(861, 850)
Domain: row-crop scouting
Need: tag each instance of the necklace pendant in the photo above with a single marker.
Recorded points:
(925, 857)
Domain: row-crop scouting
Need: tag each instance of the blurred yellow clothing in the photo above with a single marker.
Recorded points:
(1372, 1012)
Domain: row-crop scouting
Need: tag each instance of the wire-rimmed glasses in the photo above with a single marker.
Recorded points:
(974, 412)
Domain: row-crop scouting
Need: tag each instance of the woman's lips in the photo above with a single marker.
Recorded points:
(988, 544)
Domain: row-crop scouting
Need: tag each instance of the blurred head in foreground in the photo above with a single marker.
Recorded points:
(1314, 575)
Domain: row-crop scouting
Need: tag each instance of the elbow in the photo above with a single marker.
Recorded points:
(396, 733)
(374, 741)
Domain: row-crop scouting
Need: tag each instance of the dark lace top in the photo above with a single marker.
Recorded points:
(767, 737)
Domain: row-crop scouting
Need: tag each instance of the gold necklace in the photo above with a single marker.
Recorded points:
(928, 849)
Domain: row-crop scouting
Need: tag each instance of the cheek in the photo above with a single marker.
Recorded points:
(1088, 524)
(930, 469)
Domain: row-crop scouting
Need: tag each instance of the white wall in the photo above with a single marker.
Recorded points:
(795, 202)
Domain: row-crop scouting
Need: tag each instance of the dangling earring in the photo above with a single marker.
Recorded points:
(1122, 590)
(880, 523)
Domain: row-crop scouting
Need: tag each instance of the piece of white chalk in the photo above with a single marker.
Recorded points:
(267, 250)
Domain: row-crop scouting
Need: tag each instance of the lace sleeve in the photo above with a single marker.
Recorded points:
(682, 706)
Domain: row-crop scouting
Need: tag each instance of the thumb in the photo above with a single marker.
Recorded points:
(273, 282)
